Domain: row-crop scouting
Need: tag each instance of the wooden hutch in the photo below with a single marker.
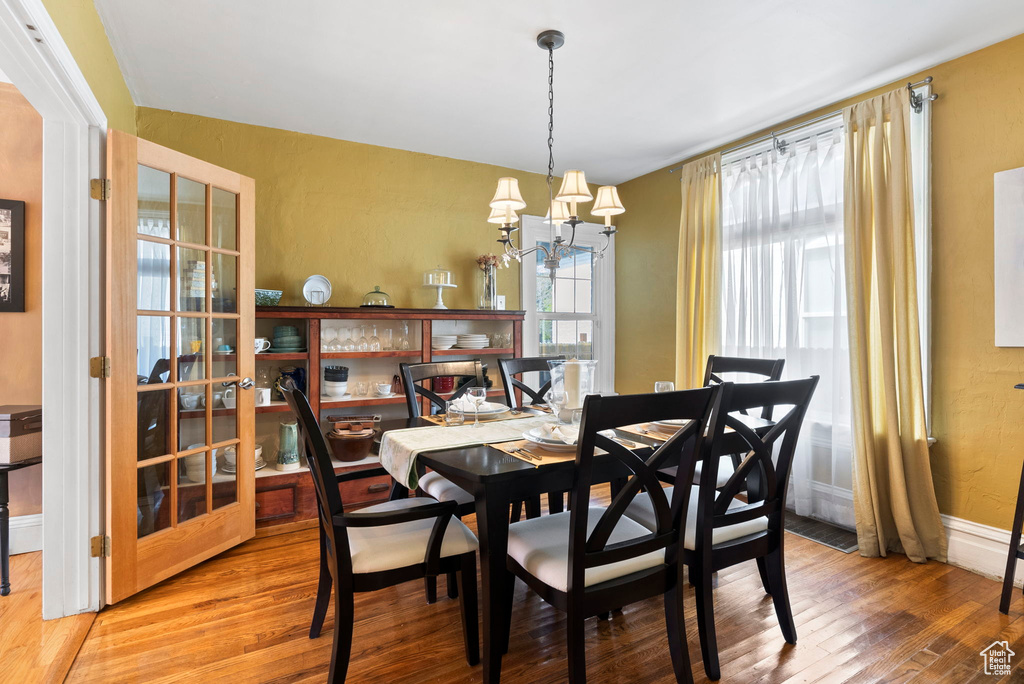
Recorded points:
(287, 497)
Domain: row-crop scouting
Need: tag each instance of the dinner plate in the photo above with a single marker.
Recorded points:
(549, 444)
(672, 424)
(316, 282)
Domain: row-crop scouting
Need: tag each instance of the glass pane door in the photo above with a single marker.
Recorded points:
(180, 334)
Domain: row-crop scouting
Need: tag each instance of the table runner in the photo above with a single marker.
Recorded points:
(438, 418)
(399, 448)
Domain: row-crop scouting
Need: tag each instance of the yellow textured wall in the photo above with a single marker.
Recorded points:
(83, 32)
(977, 130)
(359, 214)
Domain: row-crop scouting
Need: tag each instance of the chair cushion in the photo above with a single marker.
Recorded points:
(541, 547)
(725, 471)
(397, 546)
(642, 511)
(443, 489)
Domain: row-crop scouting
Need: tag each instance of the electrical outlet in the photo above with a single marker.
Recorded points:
(501, 302)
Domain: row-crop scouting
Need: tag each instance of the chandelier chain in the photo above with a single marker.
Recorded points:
(551, 122)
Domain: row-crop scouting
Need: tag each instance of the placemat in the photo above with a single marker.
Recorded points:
(438, 419)
(545, 456)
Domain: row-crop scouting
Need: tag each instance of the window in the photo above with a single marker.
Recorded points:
(574, 314)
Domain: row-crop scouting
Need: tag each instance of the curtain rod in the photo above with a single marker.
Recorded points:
(916, 103)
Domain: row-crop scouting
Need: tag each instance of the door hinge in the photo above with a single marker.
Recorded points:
(99, 189)
(99, 367)
(99, 547)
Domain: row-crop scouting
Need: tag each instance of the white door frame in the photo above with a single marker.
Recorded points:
(35, 58)
(534, 228)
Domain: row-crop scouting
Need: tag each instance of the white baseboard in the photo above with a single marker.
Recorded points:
(979, 548)
(26, 533)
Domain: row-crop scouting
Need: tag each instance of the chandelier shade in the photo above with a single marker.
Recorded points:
(560, 210)
(608, 202)
(574, 187)
(507, 195)
(502, 216)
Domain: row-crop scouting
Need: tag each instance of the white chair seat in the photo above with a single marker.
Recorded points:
(642, 511)
(541, 547)
(725, 471)
(443, 489)
(398, 546)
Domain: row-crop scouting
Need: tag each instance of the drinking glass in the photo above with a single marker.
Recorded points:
(664, 386)
(374, 340)
(363, 344)
(362, 388)
(453, 415)
(329, 336)
(387, 342)
(348, 344)
(478, 395)
(402, 343)
(577, 417)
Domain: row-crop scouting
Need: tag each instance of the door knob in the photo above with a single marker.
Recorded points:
(246, 383)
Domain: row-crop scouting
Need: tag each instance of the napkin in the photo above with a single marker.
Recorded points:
(564, 433)
(465, 405)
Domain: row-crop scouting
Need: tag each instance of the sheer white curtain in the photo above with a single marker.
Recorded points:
(783, 294)
(153, 292)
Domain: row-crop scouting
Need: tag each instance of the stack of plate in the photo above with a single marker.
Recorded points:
(287, 340)
(443, 341)
(472, 342)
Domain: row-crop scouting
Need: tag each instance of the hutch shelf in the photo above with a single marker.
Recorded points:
(287, 497)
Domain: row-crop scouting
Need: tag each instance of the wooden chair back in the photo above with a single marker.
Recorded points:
(606, 413)
(510, 368)
(413, 373)
(770, 369)
(764, 470)
(321, 469)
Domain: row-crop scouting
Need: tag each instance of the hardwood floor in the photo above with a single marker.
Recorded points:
(244, 615)
(32, 650)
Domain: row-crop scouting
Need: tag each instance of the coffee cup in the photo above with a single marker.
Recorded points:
(229, 398)
(230, 455)
(223, 348)
(189, 402)
(261, 344)
(383, 388)
(262, 396)
(218, 399)
(259, 452)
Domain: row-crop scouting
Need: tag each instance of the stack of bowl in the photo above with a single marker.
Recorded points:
(335, 381)
(287, 340)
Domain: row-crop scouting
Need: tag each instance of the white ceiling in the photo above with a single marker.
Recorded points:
(638, 85)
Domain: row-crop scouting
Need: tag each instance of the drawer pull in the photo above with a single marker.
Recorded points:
(380, 487)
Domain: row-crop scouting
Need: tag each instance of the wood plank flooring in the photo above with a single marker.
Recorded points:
(32, 650)
(244, 616)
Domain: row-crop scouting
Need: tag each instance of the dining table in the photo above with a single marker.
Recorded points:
(496, 479)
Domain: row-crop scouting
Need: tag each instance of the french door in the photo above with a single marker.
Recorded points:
(180, 326)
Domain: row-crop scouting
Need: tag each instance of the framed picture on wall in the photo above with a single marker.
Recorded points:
(12, 255)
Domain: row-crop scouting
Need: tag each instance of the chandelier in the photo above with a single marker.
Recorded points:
(563, 207)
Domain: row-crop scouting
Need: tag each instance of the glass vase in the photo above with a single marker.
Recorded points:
(487, 287)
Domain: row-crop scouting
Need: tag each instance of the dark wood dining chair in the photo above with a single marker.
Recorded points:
(381, 545)
(510, 369)
(719, 369)
(591, 560)
(434, 484)
(722, 530)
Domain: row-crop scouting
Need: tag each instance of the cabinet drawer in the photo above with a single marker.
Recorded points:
(277, 502)
(370, 489)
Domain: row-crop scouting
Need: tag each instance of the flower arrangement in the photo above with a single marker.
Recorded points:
(485, 261)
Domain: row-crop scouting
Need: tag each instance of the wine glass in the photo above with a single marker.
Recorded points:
(478, 395)
(664, 386)
(555, 401)
(347, 344)
(402, 343)
(327, 339)
(374, 341)
(387, 342)
(363, 344)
